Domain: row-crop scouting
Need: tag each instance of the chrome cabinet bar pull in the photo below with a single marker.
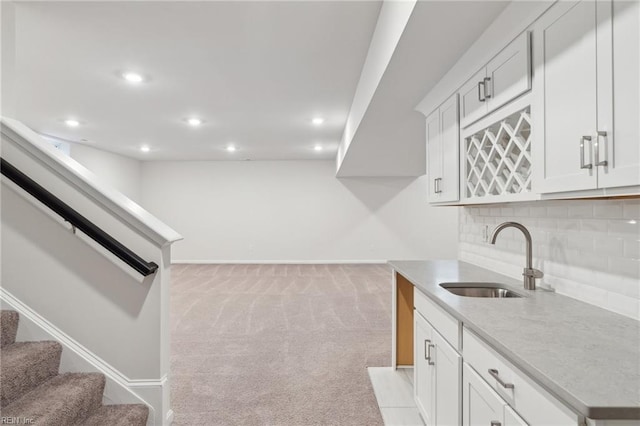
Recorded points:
(495, 423)
(582, 141)
(481, 91)
(436, 185)
(597, 149)
(487, 90)
(494, 374)
(427, 351)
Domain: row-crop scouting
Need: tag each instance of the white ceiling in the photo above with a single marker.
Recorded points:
(256, 72)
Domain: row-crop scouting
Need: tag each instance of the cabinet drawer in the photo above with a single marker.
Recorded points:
(532, 402)
(447, 325)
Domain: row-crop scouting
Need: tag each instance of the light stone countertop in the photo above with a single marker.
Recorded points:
(586, 356)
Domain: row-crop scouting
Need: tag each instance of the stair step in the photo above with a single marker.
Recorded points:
(118, 415)
(62, 401)
(8, 327)
(25, 365)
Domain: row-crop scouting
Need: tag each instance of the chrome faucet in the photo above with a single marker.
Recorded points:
(530, 274)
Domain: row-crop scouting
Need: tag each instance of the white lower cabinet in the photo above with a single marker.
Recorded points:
(424, 377)
(485, 390)
(520, 396)
(511, 418)
(437, 372)
(482, 406)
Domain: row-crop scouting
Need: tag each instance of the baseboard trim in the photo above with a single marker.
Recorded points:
(278, 262)
(119, 389)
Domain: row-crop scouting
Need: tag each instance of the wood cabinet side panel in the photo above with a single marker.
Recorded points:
(404, 321)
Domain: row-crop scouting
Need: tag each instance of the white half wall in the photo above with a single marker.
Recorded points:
(294, 211)
(123, 173)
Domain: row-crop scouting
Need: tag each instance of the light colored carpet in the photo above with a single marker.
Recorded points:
(278, 344)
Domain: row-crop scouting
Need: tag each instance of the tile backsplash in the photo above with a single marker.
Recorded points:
(587, 249)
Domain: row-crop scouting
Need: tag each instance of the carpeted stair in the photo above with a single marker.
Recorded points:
(31, 388)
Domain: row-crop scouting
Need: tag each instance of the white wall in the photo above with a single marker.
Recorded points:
(294, 211)
(587, 249)
(81, 289)
(121, 172)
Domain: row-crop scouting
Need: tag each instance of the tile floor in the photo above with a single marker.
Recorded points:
(394, 394)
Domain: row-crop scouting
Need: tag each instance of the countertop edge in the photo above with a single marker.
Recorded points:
(573, 403)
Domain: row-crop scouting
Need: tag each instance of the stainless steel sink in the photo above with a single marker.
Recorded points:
(479, 290)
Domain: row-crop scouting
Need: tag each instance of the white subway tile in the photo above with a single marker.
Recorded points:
(569, 225)
(632, 249)
(594, 295)
(622, 266)
(521, 212)
(559, 211)
(547, 223)
(580, 210)
(593, 225)
(607, 210)
(629, 228)
(631, 209)
(506, 212)
(609, 246)
(583, 242)
(624, 305)
(627, 286)
(538, 211)
(584, 255)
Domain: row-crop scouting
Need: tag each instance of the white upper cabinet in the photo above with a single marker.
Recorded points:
(621, 150)
(473, 99)
(443, 159)
(579, 105)
(507, 76)
(509, 73)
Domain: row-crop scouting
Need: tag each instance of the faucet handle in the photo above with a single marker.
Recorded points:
(532, 272)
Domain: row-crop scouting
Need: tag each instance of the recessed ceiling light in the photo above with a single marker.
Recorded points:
(317, 148)
(72, 123)
(317, 121)
(231, 148)
(145, 148)
(133, 77)
(193, 121)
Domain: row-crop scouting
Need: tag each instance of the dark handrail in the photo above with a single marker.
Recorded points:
(77, 220)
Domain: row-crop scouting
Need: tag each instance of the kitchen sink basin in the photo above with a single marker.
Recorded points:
(479, 290)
